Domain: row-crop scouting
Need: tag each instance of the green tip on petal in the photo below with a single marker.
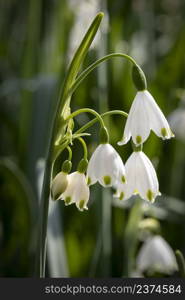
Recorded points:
(164, 132)
(123, 179)
(67, 200)
(107, 180)
(150, 195)
(56, 196)
(138, 139)
(81, 204)
(121, 197)
(88, 180)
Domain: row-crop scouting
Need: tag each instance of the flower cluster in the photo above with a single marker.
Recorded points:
(138, 175)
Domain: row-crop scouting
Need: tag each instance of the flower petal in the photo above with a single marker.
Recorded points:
(82, 193)
(127, 131)
(140, 129)
(91, 169)
(146, 180)
(157, 120)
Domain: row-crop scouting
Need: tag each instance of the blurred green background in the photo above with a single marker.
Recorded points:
(37, 41)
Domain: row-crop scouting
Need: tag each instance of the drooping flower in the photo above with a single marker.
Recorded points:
(145, 115)
(106, 167)
(141, 178)
(77, 191)
(59, 185)
(156, 255)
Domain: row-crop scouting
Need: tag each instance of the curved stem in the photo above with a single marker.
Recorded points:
(88, 110)
(84, 147)
(108, 113)
(85, 127)
(70, 153)
(82, 76)
(62, 104)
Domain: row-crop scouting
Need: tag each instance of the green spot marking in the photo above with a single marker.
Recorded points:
(138, 139)
(150, 195)
(164, 132)
(81, 204)
(107, 180)
(67, 200)
(121, 196)
(88, 180)
(56, 196)
(123, 179)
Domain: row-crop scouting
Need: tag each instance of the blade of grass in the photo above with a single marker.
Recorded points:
(131, 237)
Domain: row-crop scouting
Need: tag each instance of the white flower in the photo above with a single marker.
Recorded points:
(106, 167)
(59, 185)
(145, 115)
(156, 255)
(77, 191)
(141, 178)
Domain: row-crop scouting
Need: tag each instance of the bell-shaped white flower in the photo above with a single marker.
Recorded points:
(141, 178)
(59, 185)
(106, 167)
(145, 115)
(156, 255)
(77, 191)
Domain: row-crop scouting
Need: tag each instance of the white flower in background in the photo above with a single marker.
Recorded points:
(106, 167)
(59, 185)
(141, 178)
(145, 115)
(156, 255)
(77, 191)
(177, 123)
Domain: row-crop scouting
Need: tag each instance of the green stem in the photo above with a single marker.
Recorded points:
(88, 110)
(82, 76)
(60, 148)
(84, 147)
(108, 113)
(70, 153)
(57, 125)
(44, 216)
(44, 206)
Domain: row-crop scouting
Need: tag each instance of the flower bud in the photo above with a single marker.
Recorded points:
(59, 185)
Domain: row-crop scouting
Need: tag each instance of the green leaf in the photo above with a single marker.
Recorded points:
(18, 206)
(57, 257)
(131, 236)
(56, 131)
(79, 56)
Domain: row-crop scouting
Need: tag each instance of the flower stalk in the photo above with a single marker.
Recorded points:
(59, 126)
(105, 165)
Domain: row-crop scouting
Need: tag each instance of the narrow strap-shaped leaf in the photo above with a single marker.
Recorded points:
(131, 237)
(79, 56)
(56, 126)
